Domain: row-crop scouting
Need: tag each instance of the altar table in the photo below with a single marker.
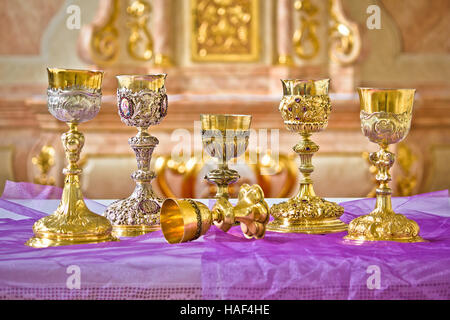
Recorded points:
(226, 265)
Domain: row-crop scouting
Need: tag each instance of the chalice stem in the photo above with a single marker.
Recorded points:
(383, 160)
(72, 197)
(306, 149)
(143, 145)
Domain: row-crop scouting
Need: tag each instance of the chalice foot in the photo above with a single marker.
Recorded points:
(310, 214)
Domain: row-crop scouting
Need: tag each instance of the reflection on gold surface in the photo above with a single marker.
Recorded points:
(407, 181)
(306, 41)
(66, 78)
(140, 41)
(225, 30)
(44, 161)
(345, 43)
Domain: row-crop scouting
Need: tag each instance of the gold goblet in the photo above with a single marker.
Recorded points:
(142, 102)
(224, 136)
(186, 220)
(305, 108)
(385, 119)
(74, 96)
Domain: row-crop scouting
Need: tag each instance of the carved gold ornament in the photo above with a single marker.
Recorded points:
(345, 42)
(225, 30)
(305, 40)
(140, 41)
(45, 160)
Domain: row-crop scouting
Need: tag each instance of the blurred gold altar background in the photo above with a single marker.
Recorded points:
(226, 56)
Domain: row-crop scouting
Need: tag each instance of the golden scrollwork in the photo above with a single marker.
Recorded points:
(105, 39)
(373, 172)
(140, 41)
(406, 182)
(225, 30)
(305, 40)
(45, 160)
(345, 43)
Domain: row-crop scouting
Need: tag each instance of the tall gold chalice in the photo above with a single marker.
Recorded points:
(305, 108)
(142, 102)
(74, 96)
(224, 136)
(385, 119)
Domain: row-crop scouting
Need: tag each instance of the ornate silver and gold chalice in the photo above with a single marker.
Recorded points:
(385, 119)
(224, 136)
(74, 96)
(142, 102)
(305, 108)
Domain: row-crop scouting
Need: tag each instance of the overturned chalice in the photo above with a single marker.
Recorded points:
(305, 108)
(142, 102)
(74, 96)
(224, 136)
(186, 220)
(385, 119)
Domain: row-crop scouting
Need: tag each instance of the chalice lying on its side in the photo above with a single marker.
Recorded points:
(305, 108)
(74, 96)
(385, 119)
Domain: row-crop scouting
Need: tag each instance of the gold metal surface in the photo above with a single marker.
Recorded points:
(186, 220)
(140, 41)
(224, 137)
(406, 181)
(306, 42)
(345, 42)
(142, 102)
(385, 119)
(105, 39)
(73, 78)
(45, 160)
(72, 222)
(305, 108)
(225, 30)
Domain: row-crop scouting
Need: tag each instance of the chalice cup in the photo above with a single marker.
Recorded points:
(224, 136)
(385, 119)
(74, 96)
(142, 102)
(305, 108)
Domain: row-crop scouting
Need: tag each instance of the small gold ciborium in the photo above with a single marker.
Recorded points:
(224, 136)
(385, 119)
(74, 96)
(142, 102)
(305, 108)
(186, 220)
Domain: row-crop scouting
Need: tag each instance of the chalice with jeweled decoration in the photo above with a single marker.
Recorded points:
(142, 102)
(74, 96)
(305, 109)
(385, 119)
(224, 136)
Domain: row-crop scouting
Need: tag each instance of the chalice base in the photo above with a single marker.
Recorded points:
(59, 229)
(134, 216)
(312, 215)
(382, 226)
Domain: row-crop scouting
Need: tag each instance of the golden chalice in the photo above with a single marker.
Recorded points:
(74, 96)
(385, 119)
(142, 102)
(305, 108)
(224, 137)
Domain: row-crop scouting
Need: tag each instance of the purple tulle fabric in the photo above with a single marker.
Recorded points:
(228, 266)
